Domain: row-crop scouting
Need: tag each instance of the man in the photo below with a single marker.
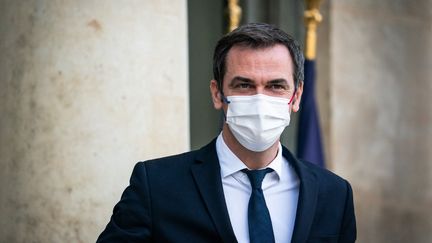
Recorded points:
(243, 186)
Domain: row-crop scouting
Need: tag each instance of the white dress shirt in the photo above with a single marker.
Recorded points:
(280, 187)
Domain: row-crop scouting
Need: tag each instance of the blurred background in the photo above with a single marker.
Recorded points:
(88, 88)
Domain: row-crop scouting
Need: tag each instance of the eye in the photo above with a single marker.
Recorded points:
(243, 86)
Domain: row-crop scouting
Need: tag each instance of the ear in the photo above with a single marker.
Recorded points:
(297, 97)
(216, 95)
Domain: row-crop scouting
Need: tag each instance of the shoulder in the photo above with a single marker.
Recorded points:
(178, 163)
(171, 160)
(334, 193)
(328, 181)
(323, 174)
(165, 165)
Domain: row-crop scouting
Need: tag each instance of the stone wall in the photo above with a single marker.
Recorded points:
(87, 89)
(380, 114)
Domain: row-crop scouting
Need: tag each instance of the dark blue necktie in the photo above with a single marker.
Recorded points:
(260, 226)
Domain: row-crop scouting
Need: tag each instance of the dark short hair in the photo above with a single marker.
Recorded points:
(256, 35)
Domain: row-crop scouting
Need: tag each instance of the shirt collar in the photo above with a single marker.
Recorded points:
(231, 164)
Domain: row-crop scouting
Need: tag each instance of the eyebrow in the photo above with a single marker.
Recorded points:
(248, 80)
(278, 81)
(239, 79)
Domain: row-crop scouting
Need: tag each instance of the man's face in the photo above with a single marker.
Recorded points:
(267, 71)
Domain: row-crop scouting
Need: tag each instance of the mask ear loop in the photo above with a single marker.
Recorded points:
(224, 100)
(292, 97)
(223, 97)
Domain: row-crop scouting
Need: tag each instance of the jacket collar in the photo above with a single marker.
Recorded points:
(308, 195)
(206, 173)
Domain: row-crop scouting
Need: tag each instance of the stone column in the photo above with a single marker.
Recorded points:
(381, 114)
(87, 89)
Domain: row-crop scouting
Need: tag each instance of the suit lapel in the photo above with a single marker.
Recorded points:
(308, 193)
(206, 172)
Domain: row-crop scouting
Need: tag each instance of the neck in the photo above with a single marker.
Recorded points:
(253, 160)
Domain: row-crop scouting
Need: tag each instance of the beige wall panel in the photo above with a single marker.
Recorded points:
(87, 89)
(381, 114)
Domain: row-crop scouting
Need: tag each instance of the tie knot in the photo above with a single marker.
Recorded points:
(256, 176)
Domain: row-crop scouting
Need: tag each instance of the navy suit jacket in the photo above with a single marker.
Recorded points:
(180, 199)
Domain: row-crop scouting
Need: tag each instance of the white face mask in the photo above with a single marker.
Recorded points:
(257, 121)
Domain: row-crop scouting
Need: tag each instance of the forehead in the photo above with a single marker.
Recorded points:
(275, 58)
